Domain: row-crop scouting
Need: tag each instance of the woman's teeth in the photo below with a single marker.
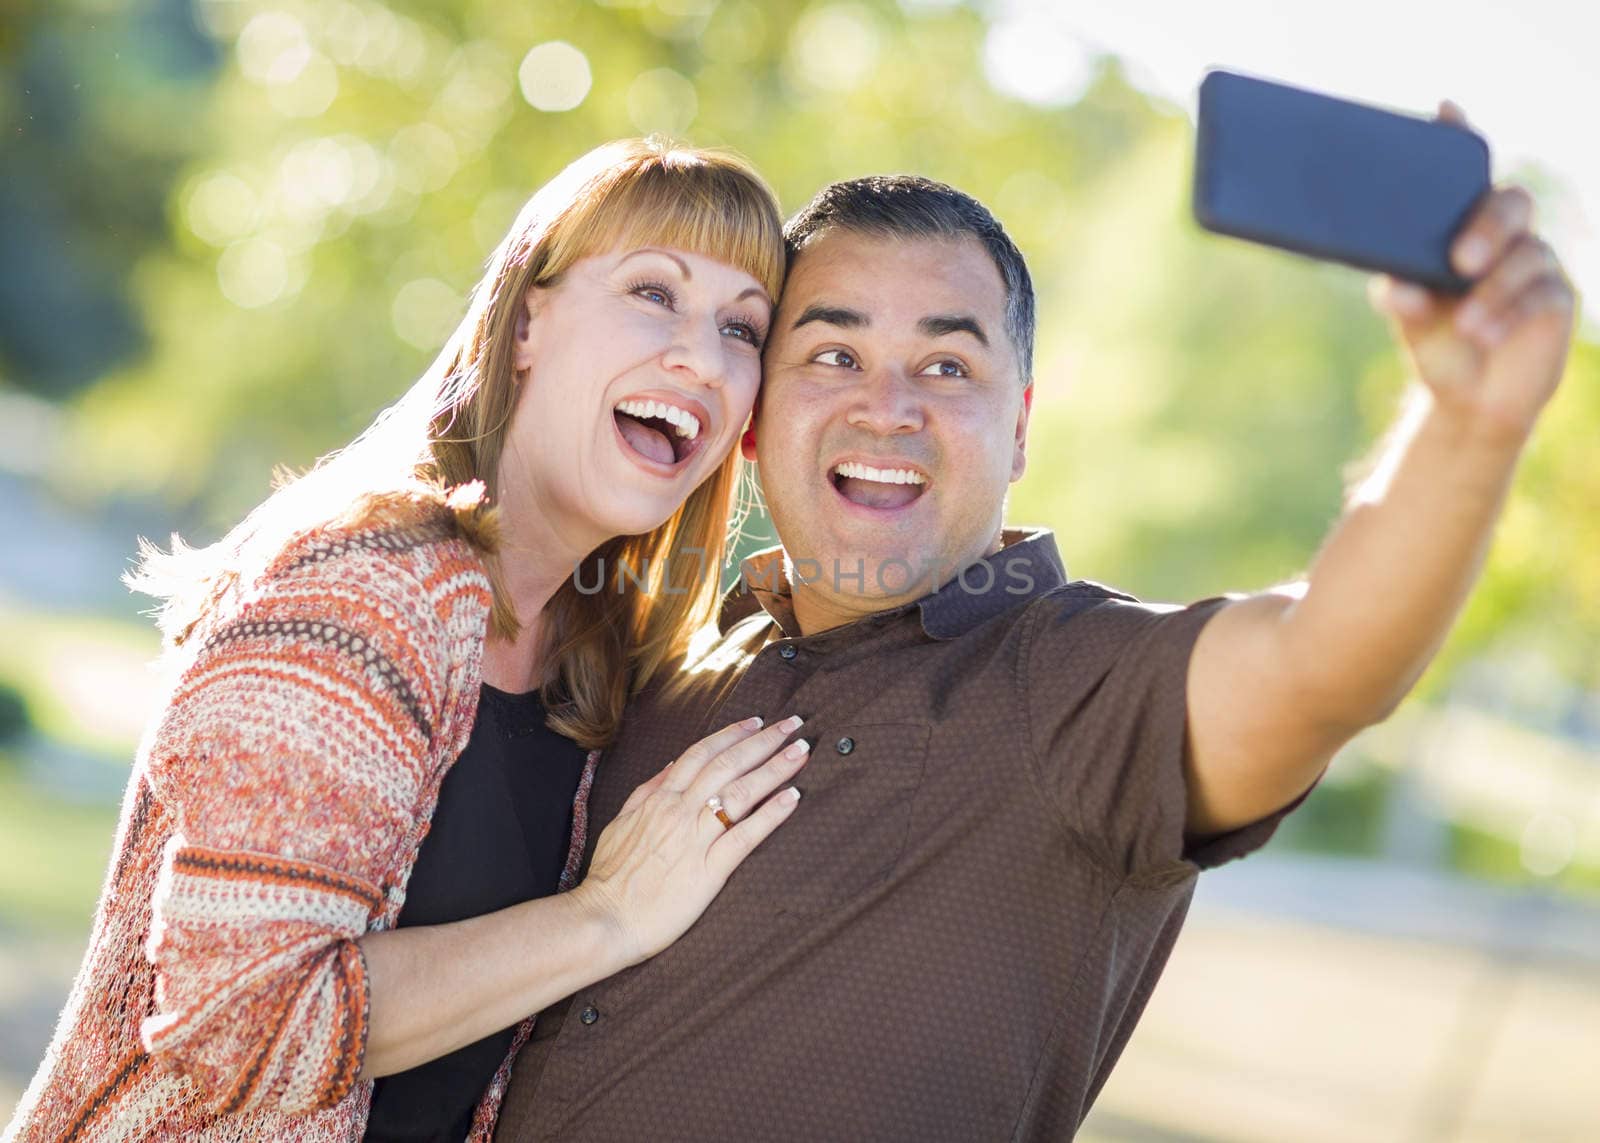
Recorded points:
(684, 423)
(852, 470)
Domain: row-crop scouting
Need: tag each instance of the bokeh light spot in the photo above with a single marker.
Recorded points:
(220, 208)
(1031, 56)
(554, 76)
(662, 100)
(310, 93)
(834, 48)
(1549, 843)
(273, 48)
(425, 157)
(425, 310)
(735, 34)
(253, 273)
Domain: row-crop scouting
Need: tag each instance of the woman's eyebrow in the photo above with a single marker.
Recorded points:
(682, 265)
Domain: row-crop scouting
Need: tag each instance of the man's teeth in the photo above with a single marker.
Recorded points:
(685, 423)
(882, 475)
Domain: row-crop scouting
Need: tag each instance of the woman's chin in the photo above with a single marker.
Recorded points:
(636, 515)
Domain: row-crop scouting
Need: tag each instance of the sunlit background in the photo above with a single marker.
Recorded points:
(231, 230)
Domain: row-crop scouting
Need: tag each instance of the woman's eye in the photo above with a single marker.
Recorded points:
(843, 358)
(655, 292)
(946, 368)
(744, 331)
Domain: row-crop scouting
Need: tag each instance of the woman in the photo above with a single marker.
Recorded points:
(258, 954)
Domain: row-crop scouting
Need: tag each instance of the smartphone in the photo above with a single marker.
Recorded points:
(1334, 179)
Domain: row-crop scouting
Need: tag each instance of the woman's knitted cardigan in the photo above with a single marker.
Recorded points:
(272, 818)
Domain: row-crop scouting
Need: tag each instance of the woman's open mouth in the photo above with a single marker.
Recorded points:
(883, 488)
(658, 432)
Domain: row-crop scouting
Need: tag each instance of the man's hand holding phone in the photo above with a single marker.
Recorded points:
(1495, 355)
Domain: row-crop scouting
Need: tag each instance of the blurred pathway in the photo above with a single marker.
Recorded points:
(1316, 999)
(1308, 1000)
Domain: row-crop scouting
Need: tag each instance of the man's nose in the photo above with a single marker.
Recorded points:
(886, 402)
(697, 353)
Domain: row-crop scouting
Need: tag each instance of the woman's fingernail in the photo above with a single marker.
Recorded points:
(792, 794)
(793, 722)
(797, 749)
(752, 723)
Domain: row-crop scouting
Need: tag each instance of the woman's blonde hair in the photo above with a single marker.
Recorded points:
(443, 439)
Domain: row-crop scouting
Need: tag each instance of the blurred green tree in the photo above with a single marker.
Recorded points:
(328, 195)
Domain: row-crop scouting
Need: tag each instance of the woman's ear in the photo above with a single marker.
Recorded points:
(523, 334)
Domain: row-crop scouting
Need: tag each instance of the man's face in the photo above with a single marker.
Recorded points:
(891, 419)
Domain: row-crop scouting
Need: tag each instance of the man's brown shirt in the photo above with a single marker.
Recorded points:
(956, 931)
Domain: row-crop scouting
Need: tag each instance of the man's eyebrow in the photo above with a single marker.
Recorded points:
(682, 265)
(841, 316)
(936, 325)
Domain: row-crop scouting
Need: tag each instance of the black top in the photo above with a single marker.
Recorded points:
(499, 836)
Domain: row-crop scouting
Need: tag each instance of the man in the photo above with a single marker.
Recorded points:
(1015, 779)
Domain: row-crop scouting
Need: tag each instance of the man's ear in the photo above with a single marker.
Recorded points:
(522, 338)
(747, 442)
(1019, 460)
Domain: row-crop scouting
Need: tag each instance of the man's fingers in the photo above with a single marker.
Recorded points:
(680, 775)
(1528, 261)
(740, 795)
(739, 842)
(1406, 302)
(1503, 218)
(739, 757)
(1450, 112)
(1548, 297)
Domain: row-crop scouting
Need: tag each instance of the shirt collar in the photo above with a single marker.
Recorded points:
(1026, 566)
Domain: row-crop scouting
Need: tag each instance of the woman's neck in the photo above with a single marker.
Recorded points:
(534, 557)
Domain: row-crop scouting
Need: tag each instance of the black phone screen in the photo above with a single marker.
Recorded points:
(1335, 179)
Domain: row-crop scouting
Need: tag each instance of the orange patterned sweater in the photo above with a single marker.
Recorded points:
(272, 818)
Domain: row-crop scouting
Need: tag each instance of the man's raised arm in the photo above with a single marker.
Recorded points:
(1280, 680)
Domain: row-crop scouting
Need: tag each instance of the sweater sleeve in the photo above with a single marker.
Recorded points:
(292, 754)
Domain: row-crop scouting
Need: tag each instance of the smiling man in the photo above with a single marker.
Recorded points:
(1015, 777)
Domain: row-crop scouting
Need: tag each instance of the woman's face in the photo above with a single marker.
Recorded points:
(641, 369)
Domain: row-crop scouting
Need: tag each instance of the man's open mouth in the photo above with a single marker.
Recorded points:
(658, 431)
(878, 487)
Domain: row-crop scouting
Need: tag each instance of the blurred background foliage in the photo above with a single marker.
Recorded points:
(232, 230)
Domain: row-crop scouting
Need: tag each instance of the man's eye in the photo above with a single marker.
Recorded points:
(949, 367)
(843, 358)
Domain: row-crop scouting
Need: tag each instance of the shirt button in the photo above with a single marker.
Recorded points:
(845, 745)
(589, 1015)
(787, 652)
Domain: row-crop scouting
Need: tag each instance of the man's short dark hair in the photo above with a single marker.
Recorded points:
(910, 206)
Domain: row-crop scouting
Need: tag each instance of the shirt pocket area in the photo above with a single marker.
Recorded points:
(850, 829)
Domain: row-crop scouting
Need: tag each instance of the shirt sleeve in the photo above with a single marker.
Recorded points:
(292, 753)
(1106, 690)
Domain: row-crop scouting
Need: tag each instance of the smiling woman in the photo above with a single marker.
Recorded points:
(340, 849)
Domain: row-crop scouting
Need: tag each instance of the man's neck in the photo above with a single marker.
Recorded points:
(817, 611)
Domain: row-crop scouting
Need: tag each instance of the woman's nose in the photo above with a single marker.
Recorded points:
(697, 351)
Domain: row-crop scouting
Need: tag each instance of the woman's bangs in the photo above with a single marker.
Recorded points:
(716, 212)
